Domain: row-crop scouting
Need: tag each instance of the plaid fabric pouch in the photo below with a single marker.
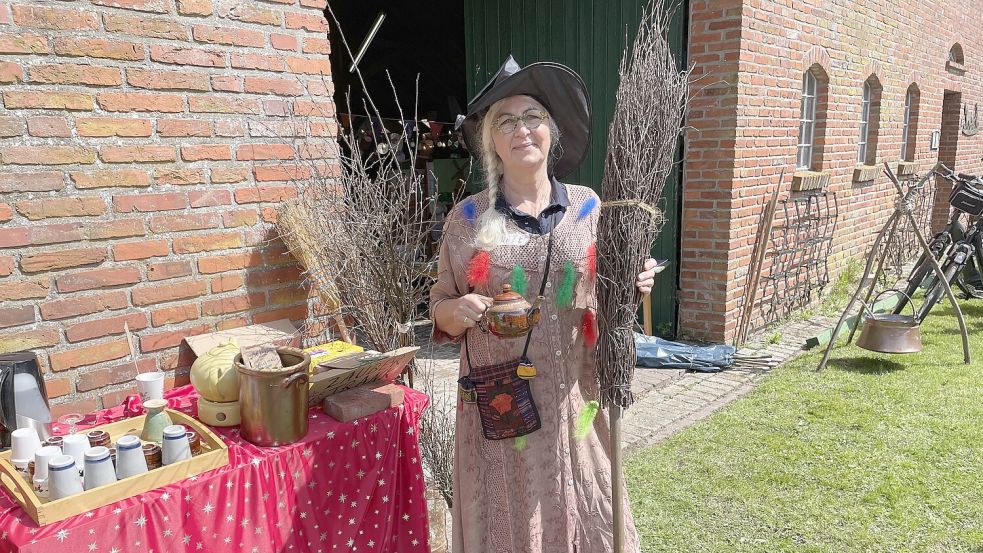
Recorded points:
(505, 404)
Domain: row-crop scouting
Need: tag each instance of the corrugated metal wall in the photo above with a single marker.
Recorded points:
(590, 37)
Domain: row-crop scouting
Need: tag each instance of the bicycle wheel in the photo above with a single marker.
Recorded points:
(950, 268)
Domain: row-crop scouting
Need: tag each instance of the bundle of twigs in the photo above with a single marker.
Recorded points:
(649, 107)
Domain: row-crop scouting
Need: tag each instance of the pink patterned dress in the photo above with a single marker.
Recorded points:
(548, 492)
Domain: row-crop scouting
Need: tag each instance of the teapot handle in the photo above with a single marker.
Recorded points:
(482, 324)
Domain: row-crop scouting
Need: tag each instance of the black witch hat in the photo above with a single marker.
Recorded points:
(561, 91)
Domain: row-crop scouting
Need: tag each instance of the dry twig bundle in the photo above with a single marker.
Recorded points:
(649, 107)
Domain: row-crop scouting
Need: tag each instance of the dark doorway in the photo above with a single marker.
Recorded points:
(948, 145)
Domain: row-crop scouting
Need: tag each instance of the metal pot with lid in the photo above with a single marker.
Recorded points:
(273, 401)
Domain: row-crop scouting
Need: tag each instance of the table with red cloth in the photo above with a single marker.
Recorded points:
(355, 486)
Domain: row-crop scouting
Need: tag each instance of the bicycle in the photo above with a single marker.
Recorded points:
(958, 249)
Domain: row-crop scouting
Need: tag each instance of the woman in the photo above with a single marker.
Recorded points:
(530, 475)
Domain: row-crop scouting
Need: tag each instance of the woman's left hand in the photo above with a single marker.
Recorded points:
(646, 279)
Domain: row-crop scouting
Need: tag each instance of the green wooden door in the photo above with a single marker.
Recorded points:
(590, 37)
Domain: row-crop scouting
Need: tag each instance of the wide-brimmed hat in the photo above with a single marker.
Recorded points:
(561, 91)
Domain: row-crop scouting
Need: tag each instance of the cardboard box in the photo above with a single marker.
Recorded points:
(280, 333)
(348, 371)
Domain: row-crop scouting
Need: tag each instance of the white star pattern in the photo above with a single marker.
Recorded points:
(186, 539)
(229, 518)
(208, 508)
(382, 482)
(168, 533)
(92, 546)
(165, 496)
(114, 550)
(385, 499)
(117, 511)
(141, 522)
(62, 535)
(244, 522)
(371, 543)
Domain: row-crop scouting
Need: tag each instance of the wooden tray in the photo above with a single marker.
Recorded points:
(214, 454)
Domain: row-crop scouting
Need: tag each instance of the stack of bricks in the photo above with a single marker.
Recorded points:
(144, 146)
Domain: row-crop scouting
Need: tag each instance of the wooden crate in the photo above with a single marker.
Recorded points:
(214, 454)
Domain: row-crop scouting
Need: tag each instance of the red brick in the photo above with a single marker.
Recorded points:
(230, 128)
(210, 152)
(226, 83)
(228, 36)
(284, 275)
(278, 129)
(76, 406)
(54, 18)
(109, 326)
(134, 101)
(265, 194)
(11, 72)
(314, 45)
(48, 127)
(308, 22)
(269, 215)
(297, 313)
(233, 304)
(58, 387)
(219, 104)
(282, 172)
(34, 99)
(207, 242)
(174, 315)
(187, 56)
(98, 278)
(144, 26)
(11, 126)
(116, 398)
(25, 289)
(44, 337)
(23, 43)
(62, 259)
(55, 233)
(290, 295)
(226, 283)
(149, 202)
(239, 218)
(17, 316)
(170, 339)
(266, 85)
(168, 269)
(179, 177)
(6, 213)
(166, 80)
(253, 152)
(283, 42)
(183, 127)
(184, 222)
(234, 322)
(125, 372)
(74, 307)
(137, 154)
(117, 228)
(309, 108)
(47, 155)
(194, 7)
(319, 4)
(159, 293)
(6, 266)
(75, 74)
(112, 126)
(156, 6)
(110, 178)
(258, 61)
(89, 355)
(230, 262)
(209, 198)
(84, 47)
(250, 13)
(308, 66)
(85, 206)
(128, 251)
(14, 237)
(320, 87)
(224, 175)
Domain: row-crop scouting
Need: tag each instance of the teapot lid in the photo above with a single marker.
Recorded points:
(507, 295)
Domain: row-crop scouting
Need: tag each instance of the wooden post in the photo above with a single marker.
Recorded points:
(617, 479)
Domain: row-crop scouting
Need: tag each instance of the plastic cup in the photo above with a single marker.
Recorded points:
(151, 385)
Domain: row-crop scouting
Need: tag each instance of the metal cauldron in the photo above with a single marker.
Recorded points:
(273, 402)
(890, 333)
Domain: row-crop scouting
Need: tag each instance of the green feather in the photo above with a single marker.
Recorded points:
(564, 294)
(585, 421)
(521, 443)
(519, 280)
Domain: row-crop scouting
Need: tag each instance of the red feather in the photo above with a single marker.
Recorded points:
(479, 268)
(592, 261)
(588, 327)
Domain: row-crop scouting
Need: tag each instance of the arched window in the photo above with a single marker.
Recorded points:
(910, 129)
(870, 109)
(812, 119)
(956, 54)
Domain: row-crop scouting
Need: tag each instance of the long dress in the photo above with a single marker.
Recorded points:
(547, 492)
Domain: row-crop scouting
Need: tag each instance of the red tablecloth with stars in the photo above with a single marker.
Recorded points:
(355, 486)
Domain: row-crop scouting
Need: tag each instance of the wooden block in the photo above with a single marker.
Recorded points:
(362, 401)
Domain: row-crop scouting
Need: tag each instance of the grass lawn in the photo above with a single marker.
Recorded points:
(876, 453)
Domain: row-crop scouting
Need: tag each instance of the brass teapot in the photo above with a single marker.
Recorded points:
(510, 315)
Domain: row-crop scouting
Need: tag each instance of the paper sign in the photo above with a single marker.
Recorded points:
(346, 372)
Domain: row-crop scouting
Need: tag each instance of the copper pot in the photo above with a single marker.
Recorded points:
(273, 402)
(510, 315)
(890, 333)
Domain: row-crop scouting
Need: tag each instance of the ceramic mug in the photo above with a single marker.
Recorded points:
(129, 457)
(63, 479)
(24, 442)
(176, 446)
(150, 385)
(99, 469)
(75, 445)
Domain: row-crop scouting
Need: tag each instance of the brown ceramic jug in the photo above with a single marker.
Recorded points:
(510, 315)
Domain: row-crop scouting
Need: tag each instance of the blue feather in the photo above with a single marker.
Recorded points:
(588, 206)
(469, 209)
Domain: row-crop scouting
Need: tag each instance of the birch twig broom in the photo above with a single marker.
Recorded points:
(649, 107)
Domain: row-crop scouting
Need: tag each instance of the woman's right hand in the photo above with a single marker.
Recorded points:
(458, 315)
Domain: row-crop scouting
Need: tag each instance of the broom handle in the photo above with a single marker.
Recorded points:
(617, 479)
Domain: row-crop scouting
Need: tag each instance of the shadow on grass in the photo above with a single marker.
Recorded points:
(866, 365)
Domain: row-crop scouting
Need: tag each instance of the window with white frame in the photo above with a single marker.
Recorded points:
(908, 131)
(864, 124)
(870, 116)
(807, 122)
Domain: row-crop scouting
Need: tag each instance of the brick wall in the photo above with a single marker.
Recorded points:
(144, 145)
(750, 57)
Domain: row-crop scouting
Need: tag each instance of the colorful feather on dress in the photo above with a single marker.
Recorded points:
(588, 206)
(564, 294)
(479, 269)
(588, 328)
(592, 262)
(585, 421)
(519, 280)
(470, 211)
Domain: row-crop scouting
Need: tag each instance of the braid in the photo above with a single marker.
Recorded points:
(491, 223)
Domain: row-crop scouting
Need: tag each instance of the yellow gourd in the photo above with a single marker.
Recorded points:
(214, 375)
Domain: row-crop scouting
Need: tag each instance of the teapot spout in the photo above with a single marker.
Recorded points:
(533, 313)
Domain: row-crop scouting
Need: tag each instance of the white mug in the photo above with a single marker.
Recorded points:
(99, 469)
(175, 446)
(129, 457)
(75, 445)
(150, 385)
(63, 477)
(42, 457)
(24, 442)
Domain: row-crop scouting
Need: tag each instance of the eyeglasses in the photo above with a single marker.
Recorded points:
(530, 120)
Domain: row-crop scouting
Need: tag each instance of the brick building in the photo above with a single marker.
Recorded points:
(144, 145)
